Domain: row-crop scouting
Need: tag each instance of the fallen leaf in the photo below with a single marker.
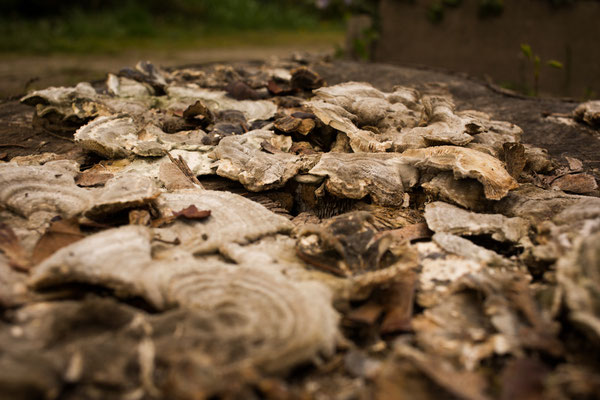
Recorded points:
(399, 304)
(274, 88)
(367, 313)
(241, 91)
(305, 79)
(408, 233)
(92, 178)
(192, 212)
(577, 183)
(514, 157)
(575, 164)
(465, 385)
(173, 178)
(12, 248)
(198, 111)
(59, 234)
(182, 165)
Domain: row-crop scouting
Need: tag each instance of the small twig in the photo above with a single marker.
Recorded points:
(560, 115)
(185, 169)
(13, 145)
(56, 135)
(175, 242)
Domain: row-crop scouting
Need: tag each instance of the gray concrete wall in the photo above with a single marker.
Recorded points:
(464, 42)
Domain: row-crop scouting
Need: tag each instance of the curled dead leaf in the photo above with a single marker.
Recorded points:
(59, 234)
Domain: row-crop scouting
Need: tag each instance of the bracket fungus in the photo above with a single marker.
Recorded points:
(112, 137)
(238, 222)
(384, 177)
(578, 274)
(443, 217)
(277, 322)
(233, 219)
(243, 159)
(123, 192)
(466, 163)
(443, 125)
(219, 101)
(48, 188)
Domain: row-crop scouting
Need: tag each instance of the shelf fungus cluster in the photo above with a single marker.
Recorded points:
(250, 232)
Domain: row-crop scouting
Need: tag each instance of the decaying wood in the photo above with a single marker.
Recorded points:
(468, 250)
(278, 322)
(578, 275)
(329, 213)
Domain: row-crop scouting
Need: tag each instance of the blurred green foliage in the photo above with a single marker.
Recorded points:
(536, 65)
(104, 25)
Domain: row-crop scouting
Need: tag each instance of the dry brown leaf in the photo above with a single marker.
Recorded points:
(462, 384)
(514, 157)
(575, 164)
(305, 79)
(576, 183)
(367, 313)
(241, 91)
(192, 212)
(173, 178)
(408, 233)
(199, 111)
(275, 89)
(399, 304)
(182, 165)
(59, 234)
(92, 178)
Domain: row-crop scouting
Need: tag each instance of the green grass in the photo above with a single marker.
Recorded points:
(131, 25)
